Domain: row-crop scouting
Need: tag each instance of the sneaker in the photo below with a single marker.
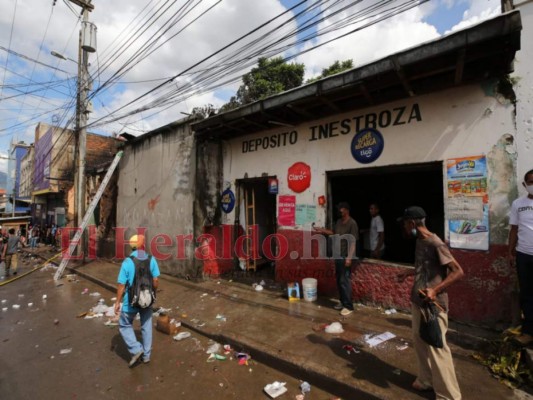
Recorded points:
(345, 312)
(15, 273)
(135, 358)
(420, 386)
(524, 339)
(338, 306)
(146, 360)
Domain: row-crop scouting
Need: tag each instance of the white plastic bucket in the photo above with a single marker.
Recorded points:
(309, 289)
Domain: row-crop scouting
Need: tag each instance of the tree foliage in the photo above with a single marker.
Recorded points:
(269, 77)
(333, 69)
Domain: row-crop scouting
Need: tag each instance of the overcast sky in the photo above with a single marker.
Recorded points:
(192, 50)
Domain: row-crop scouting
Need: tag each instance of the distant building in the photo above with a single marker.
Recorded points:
(17, 151)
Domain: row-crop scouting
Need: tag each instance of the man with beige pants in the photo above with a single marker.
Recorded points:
(435, 269)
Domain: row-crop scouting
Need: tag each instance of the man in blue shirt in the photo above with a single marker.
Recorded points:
(128, 313)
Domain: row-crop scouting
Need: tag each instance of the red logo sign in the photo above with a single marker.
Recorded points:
(299, 177)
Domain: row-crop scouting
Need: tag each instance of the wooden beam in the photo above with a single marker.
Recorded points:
(403, 79)
(460, 66)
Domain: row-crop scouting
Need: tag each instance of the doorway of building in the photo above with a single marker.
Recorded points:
(255, 216)
(393, 188)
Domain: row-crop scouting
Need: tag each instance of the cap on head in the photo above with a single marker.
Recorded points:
(136, 241)
(343, 204)
(413, 212)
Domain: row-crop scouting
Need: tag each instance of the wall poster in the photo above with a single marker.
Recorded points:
(305, 214)
(286, 210)
(467, 208)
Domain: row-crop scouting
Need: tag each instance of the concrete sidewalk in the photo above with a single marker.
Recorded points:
(289, 336)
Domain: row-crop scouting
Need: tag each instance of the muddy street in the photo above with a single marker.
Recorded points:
(48, 352)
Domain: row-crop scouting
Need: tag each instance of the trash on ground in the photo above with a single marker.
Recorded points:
(373, 341)
(85, 291)
(65, 351)
(30, 304)
(110, 322)
(45, 297)
(397, 371)
(242, 358)
(21, 295)
(16, 306)
(214, 348)
(227, 349)
(3, 301)
(390, 311)
(95, 294)
(275, 389)
(56, 321)
(305, 387)
(334, 327)
(402, 347)
(213, 357)
(4, 308)
(113, 298)
(182, 335)
(164, 325)
(258, 288)
(351, 349)
(221, 317)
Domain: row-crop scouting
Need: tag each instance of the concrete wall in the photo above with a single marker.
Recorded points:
(156, 189)
(523, 78)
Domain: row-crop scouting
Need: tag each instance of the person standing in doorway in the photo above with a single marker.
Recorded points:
(345, 236)
(521, 254)
(435, 270)
(377, 233)
(137, 349)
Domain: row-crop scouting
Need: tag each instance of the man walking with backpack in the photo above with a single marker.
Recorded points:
(137, 284)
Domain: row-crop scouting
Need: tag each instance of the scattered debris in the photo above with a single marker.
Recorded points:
(351, 349)
(213, 357)
(16, 306)
(391, 311)
(504, 358)
(275, 389)
(334, 327)
(402, 346)
(242, 358)
(305, 387)
(30, 304)
(85, 291)
(397, 371)
(214, 348)
(374, 340)
(182, 335)
(65, 351)
(221, 317)
(56, 321)
(4, 309)
(45, 297)
(95, 294)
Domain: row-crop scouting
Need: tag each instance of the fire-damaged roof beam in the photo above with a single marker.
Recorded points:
(277, 118)
(403, 79)
(329, 103)
(366, 93)
(258, 124)
(230, 126)
(460, 65)
(300, 111)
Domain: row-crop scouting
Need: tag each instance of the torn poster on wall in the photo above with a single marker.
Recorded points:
(467, 209)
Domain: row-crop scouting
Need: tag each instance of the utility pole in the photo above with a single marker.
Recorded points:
(84, 47)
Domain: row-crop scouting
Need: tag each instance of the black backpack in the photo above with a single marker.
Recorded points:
(141, 293)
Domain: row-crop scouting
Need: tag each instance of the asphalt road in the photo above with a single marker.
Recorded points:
(95, 364)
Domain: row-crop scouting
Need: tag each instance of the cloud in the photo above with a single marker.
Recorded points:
(39, 28)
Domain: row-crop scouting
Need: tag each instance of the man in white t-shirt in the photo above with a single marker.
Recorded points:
(377, 233)
(521, 254)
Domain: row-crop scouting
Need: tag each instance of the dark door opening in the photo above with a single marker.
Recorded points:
(257, 207)
(393, 188)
